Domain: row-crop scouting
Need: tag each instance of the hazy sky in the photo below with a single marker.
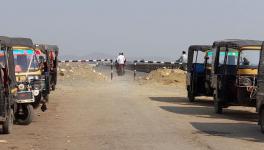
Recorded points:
(141, 28)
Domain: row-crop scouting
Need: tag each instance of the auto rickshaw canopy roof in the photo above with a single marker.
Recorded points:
(5, 40)
(202, 48)
(239, 43)
(52, 47)
(40, 47)
(23, 42)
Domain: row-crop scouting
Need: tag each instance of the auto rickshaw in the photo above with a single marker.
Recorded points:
(52, 52)
(45, 73)
(8, 88)
(260, 90)
(198, 78)
(29, 79)
(234, 73)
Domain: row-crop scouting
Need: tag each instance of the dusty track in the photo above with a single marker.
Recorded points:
(121, 114)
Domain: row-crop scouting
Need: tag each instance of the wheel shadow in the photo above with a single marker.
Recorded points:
(244, 131)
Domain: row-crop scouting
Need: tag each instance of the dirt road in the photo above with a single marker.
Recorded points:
(123, 115)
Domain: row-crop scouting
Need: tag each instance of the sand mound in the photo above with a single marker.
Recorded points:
(74, 71)
(165, 77)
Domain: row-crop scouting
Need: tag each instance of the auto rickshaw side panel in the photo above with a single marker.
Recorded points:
(260, 89)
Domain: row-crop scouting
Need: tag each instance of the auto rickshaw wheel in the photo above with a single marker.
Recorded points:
(53, 87)
(37, 102)
(8, 124)
(191, 97)
(46, 97)
(27, 116)
(218, 106)
(261, 119)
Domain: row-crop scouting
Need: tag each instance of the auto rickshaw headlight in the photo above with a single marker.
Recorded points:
(245, 81)
(21, 86)
(35, 92)
(36, 86)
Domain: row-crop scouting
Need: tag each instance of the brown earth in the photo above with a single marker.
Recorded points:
(163, 76)
(124, 114)
(80, 71)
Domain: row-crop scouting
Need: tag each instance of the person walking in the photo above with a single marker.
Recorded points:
(183, 61)
(120, 62)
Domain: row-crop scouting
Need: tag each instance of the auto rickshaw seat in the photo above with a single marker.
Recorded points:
(199, 74)
(230, 69)
(198, 68)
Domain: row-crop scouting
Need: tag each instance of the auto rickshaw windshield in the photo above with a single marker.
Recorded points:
(209, 57)
(249, 58)
(25, 60)
(198, 57)
(232, 56)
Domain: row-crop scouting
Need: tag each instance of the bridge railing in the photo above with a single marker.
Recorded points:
(148, 66)
(136, 65)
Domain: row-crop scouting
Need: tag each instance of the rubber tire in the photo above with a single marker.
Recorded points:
(53, 87)
(46, 98)
(37, 102)
(30, 115)
(261, 120)
(191, 97)
(8, 124)
(218, 107)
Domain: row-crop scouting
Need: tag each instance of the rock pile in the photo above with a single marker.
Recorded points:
(165, 77)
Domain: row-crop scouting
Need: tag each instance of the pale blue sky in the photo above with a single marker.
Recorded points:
(141, 28)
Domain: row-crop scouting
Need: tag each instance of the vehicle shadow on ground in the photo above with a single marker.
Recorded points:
(183, 101)
(244, 131)
(204, 109)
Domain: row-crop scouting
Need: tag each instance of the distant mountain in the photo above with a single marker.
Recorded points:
(98, 55)
(95, 55)
(152, 58)
(67, 57)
